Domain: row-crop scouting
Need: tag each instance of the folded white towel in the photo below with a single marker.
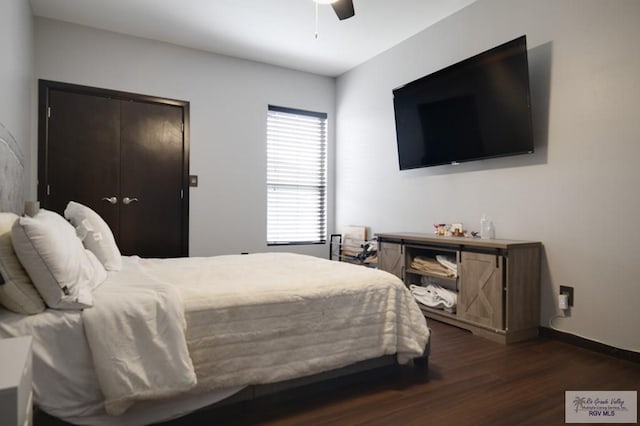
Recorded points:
(435, 296)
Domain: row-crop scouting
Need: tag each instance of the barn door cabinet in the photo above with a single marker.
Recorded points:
(498, 281)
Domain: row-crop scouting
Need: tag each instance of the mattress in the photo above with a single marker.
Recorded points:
(250, 319)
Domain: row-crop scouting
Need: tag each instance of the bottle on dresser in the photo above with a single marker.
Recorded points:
(487, 229)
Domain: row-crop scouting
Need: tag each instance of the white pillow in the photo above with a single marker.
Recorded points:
(59, 266)
(95, 235)
(17, 292)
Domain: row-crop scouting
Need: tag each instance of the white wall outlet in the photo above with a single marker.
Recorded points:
(563, 301)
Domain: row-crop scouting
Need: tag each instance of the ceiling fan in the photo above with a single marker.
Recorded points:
(343, 8)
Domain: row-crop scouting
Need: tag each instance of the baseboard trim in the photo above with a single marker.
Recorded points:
(590, 344)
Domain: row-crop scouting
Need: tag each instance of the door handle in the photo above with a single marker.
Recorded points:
(126, 200)
(110, 200)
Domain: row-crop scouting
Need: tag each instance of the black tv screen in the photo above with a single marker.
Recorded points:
(475, 109)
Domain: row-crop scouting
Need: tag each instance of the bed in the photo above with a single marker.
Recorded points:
(154, 339)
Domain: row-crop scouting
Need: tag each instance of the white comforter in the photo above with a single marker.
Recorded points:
(268, 317)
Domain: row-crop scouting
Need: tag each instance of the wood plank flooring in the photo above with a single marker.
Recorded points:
(470, 381)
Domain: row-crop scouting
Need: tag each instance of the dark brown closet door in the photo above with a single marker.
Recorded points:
(151, 179)
(83, 153)
(124, 155)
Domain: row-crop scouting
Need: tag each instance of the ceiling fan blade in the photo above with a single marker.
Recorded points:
(343, 8)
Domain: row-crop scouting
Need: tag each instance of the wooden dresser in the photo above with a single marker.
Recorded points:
(497, 285)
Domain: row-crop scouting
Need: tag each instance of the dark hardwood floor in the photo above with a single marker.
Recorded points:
(469, 381)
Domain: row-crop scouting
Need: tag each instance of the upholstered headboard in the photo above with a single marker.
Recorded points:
(11, 173)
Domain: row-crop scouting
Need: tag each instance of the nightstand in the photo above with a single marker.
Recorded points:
(16, 394)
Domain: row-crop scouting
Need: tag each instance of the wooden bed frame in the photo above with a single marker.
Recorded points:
(258, 391)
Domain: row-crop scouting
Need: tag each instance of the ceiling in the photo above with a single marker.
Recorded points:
(279, 32)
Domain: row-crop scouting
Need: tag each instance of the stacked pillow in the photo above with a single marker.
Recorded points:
(43, 257)
(17, 292)
(95, 235)
(62, 270)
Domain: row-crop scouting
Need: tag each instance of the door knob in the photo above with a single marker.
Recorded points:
(110, 200)
(126, 200)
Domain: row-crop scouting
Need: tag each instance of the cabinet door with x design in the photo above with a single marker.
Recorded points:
(481, 289)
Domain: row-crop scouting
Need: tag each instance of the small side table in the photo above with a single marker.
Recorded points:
(16, 392)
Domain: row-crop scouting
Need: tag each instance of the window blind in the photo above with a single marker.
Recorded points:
(296, 176)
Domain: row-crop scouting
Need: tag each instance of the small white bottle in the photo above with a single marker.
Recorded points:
(491, 231)
(484, 227)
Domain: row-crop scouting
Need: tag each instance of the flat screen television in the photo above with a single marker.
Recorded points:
(475, 109)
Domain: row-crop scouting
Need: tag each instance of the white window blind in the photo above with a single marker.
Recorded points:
(296, 176)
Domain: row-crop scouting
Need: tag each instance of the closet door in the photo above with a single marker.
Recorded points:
(82, 154)
(151, 166)
(122, 154)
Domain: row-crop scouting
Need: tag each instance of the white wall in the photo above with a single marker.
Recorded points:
(577, 194)
(228, 103)
(17, 90)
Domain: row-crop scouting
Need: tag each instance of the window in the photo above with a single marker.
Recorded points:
(296, 176)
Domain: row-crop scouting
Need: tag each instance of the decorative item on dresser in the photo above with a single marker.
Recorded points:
(497, 281)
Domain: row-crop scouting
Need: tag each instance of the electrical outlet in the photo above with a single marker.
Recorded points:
(564, 289)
